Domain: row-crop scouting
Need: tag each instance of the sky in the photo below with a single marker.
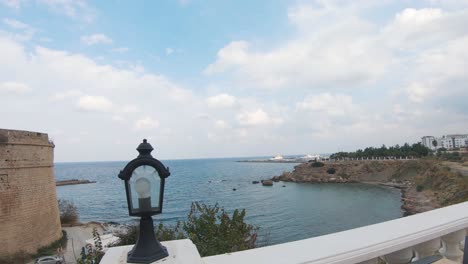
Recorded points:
(232, 78)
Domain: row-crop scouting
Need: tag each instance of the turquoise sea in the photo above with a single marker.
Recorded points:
(289, 213)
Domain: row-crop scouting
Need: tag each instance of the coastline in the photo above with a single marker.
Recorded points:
(425, 184)
(412, 201)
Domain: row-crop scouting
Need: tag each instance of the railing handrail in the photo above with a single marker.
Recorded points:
(359, 244)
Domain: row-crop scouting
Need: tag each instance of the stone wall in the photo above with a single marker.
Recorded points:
(29, 216)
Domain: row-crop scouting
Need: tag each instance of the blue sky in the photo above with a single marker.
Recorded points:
(232, 78)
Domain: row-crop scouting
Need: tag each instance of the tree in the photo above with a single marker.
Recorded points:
(434, 143)
(68, 212)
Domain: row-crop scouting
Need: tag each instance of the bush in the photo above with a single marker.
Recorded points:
(419, 188)
(68, 212)
(22, 257)
(331, 171)
(163, 233)
(210, 228)
(52, 248)
(214, 232)
(92, 255)
(317, 164)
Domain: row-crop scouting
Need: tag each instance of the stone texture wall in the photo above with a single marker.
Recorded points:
(29, 216)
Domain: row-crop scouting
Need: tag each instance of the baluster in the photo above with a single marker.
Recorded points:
(403, 256)
(451, 248)
(370, 261)
(426, 249)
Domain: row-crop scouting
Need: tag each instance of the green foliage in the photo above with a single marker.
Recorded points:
(167, 233)
(419, 188)
(317, 164)
(214, 232)
(415, 150)
(68, 212)
(331, 171)
(92, 255)
(210, 228)
(449, 156)
(52, 248)
(22, 257)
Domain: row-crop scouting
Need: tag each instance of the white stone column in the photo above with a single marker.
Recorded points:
(370, 261)
(451, 248)
(403, 256)
(428, 248)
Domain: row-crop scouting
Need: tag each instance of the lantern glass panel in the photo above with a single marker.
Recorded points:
(144, 189)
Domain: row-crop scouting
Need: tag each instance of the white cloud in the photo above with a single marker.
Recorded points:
(326, 103)
(130, 109)
(257, 117)
(96, 39)
(169, 51)
(14, 88)
(59, 96)
(235, 53)
(146, 123)
(16, 4)
(120, 50)
(338, 55)
(415, 29)
(94, 103)
(76, 9)
(13, 23)
(221, 101)
(22, 31)
(221, 124)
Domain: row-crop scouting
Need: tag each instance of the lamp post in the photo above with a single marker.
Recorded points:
(144, 186)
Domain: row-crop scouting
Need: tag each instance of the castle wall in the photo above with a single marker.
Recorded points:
(29, 215)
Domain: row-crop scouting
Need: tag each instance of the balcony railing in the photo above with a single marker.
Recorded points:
(441, 231)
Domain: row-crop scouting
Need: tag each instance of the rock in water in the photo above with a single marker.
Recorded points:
(267, 183)
(255, 182)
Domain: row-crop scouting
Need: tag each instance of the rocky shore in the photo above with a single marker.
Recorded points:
(425, 184)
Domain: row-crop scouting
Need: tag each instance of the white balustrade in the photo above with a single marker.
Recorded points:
(428, 248)
(403, 256)
(399, 241)
(452, 243)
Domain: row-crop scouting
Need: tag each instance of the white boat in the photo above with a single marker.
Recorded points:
(277, 157)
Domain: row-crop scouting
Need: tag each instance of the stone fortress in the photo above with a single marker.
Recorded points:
(29, 215)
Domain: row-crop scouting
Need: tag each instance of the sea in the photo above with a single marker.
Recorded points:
(284, 212)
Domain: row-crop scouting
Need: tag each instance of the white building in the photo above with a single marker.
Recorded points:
(446, 141)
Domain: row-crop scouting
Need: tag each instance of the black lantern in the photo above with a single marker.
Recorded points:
(144, 185)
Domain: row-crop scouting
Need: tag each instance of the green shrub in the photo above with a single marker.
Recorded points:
(317, 164)
(331, 171)
(92, 255)
(68, 212)
(214, 232)
(22, 257)
(210, 228)
(419, 188)
(52, 248)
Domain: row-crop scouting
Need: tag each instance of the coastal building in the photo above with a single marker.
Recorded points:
(445, 141)
(29, 215)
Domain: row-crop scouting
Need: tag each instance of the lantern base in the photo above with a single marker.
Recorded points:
(147, 249)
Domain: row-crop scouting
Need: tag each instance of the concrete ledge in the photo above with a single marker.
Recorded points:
(180, 252)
